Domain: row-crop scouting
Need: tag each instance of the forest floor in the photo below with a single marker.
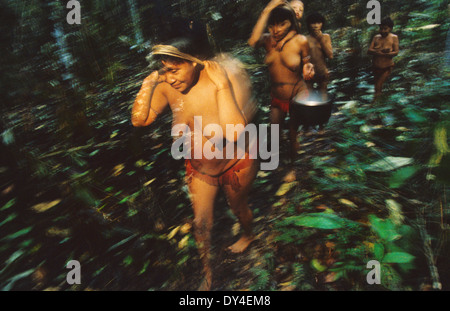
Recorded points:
(118, 204)
(239, 271)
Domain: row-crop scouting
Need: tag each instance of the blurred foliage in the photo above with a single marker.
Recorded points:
(79, 182)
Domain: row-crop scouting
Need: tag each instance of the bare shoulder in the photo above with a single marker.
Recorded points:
(162, 88)
(376, 38)
(301, 39)
(233, 66)
(393, 36)
(298, 42)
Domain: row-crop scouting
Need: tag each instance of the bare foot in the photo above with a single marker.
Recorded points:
(241, 245)
(290, 177)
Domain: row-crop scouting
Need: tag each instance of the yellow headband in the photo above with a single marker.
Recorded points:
(173, 51)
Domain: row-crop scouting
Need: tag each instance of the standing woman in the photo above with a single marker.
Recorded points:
(287, 58)
(218, 92)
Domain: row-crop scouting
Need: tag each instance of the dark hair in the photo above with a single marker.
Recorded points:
(189, 37)
(387, 22)
(315, 18)
(282, 13)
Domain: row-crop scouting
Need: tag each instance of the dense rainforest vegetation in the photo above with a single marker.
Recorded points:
(78, 182)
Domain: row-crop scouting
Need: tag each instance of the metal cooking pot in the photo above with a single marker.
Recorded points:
(311, 111)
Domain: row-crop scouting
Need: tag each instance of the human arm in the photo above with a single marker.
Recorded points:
(288, 37)
(149, 102)
(374, 51)
(308, 67)
(325, 43)
(230, 96)
(260, 26)
(395, 48)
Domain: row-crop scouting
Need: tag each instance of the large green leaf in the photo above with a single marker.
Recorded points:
(385, 228)
(398, 257)
(389, 163)
(378, 249)
(414, 115)
(317, 220)
(399, 177)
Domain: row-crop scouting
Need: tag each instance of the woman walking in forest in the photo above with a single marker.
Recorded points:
(384, 48)
(218, 92)
(287, 57)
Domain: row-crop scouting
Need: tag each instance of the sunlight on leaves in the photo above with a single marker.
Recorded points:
(44, 206)
(284, 188)
(389, 164)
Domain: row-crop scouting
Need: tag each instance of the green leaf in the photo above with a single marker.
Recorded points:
(18, 233)
(124, 200)
(399, 177)
(93, 153)
(384, 228)
(145, 266)
(414, 115)
(8, 219)
(317, 220)
(378, 249)
(8, 204)
(389, 164)
(398, 257)
(15, 278)
(315, 263)
(122, 242)
(128, 260)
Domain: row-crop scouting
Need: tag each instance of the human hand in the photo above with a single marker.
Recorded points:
(288, 37)
(386, 50)
(308, 71)
(317, 33)
(216, 74)
(274, 3)
(155, 77)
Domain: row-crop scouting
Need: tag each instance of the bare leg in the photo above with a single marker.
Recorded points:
(202, 196)
(277, 116)
(323, 87)
(379, 79)
(238, 201)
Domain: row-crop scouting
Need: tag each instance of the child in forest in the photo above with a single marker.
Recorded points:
(384, 47)
(298, 8)
(320, 48)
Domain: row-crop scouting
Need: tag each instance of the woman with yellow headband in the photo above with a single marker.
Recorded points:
(218, 91)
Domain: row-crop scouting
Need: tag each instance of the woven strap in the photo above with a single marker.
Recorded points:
(173, 51)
